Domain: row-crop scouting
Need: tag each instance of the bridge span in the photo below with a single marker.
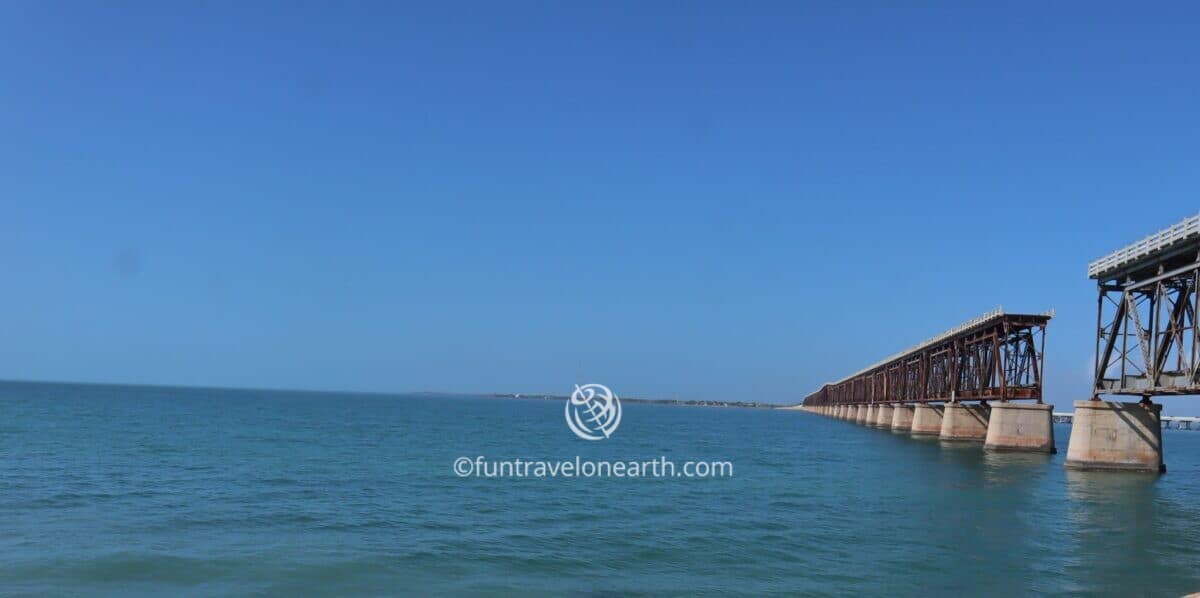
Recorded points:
(995, 357)
(1147, 345)
(982, 381)
(959, 385)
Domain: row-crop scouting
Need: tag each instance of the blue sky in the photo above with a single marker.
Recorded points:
(704, 200)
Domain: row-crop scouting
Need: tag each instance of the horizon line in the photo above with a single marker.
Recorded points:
(4, 380)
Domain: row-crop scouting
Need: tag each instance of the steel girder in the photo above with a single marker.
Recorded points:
(1147, 340)
(999, 358)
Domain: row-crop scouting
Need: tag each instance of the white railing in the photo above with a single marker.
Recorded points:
(995, 313)
(1156, 242)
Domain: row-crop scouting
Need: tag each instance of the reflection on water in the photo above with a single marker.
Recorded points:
(1115, 523)
(1106, 486)
(1001, 468)
(1009, 460)
(1019, 523)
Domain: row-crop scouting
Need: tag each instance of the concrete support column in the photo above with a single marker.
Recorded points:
(1116, 436)
(902, 418)
(1021, 427)
(840, 412)
(927, 420)
(883, 416)
(965, 423)
(870, 417)
(860, 414)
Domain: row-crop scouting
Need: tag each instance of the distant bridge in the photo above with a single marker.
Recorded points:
(1180, 423)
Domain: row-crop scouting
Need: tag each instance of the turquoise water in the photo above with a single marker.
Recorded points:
(119, 490)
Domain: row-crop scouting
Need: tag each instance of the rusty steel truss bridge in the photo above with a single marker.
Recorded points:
(995, 357)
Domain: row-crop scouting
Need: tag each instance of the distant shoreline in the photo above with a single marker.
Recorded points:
(549, 397)
(675, 402)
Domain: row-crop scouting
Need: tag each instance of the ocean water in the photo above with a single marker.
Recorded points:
(135, 490)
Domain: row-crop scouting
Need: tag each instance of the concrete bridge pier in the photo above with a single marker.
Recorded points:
(1108, 435)
(841, 412)
(883, 416)
(964, 423)
(860, 414)
(872, 410)
(902, 418)
(1021, 427)
(927, 420)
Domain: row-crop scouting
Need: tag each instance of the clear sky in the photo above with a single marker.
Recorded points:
(709, 200)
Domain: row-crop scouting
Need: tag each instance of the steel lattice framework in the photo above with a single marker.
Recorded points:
(997, 357)
(1147, 341)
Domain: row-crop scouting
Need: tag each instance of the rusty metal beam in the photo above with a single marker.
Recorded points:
(998, 357)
